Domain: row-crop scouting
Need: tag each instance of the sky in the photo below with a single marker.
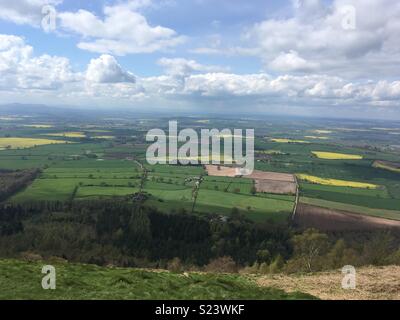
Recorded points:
(298, 57)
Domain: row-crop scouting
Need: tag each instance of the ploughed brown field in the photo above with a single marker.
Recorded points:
(308, 216)
(372, 283)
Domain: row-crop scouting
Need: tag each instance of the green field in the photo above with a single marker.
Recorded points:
(170, 186)
(372, 198)
(22, 280)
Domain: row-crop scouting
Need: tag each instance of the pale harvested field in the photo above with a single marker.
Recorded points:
(308, 216)
(268, 182)
(271, 176)
(273, 186)
(220, 171)
(372, 283)
(387, 165)
(273, 182)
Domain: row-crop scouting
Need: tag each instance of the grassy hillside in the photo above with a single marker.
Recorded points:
(22, 280)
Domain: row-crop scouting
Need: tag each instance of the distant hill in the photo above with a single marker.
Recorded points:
(33, 109)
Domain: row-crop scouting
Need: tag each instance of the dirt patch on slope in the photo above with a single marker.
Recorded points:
(372, 283)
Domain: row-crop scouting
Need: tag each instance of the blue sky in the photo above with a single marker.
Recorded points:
(294, 56)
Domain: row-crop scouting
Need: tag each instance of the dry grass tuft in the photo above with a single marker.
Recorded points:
(372, 283)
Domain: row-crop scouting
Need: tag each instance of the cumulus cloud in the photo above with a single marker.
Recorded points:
(318, 37)
(24, 11)
(182, 67)
(123, 30)
(20, 69)
(184, 80)
(319, 34)
(292, 62)
(327, 90)
(106, 69)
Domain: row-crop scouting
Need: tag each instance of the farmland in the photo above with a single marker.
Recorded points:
(394, 167)
(336, 182)
(66, 134)
(388, 214)
(336, 156)
(17, 143)
(90, 196)
(283, 140)
(101, 160)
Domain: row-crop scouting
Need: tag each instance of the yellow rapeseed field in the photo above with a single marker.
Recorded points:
(335, 182)
(67, 134)
(336, 156)
(39, 126)
(15, 143)
(282, 140)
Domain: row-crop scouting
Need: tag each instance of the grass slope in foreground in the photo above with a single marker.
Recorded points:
(22, 280)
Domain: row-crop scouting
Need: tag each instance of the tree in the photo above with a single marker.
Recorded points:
(263, 255)
(264, 268)
(335, 257)
(175, 265)
(308, 247)
(276, 265)
(223, 265)
(378, 250)
(138, 238)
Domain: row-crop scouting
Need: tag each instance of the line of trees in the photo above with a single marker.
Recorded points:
(121, 233)
(13, 182)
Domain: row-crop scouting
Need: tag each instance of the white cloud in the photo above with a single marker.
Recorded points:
(105, 81)
(182, 67)
(313, 40)
(316, 33)
(385, 90)
(20, 69)
(324, 89)
(24, 11)
(292, 62)
(122, 31)
(106, 69)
